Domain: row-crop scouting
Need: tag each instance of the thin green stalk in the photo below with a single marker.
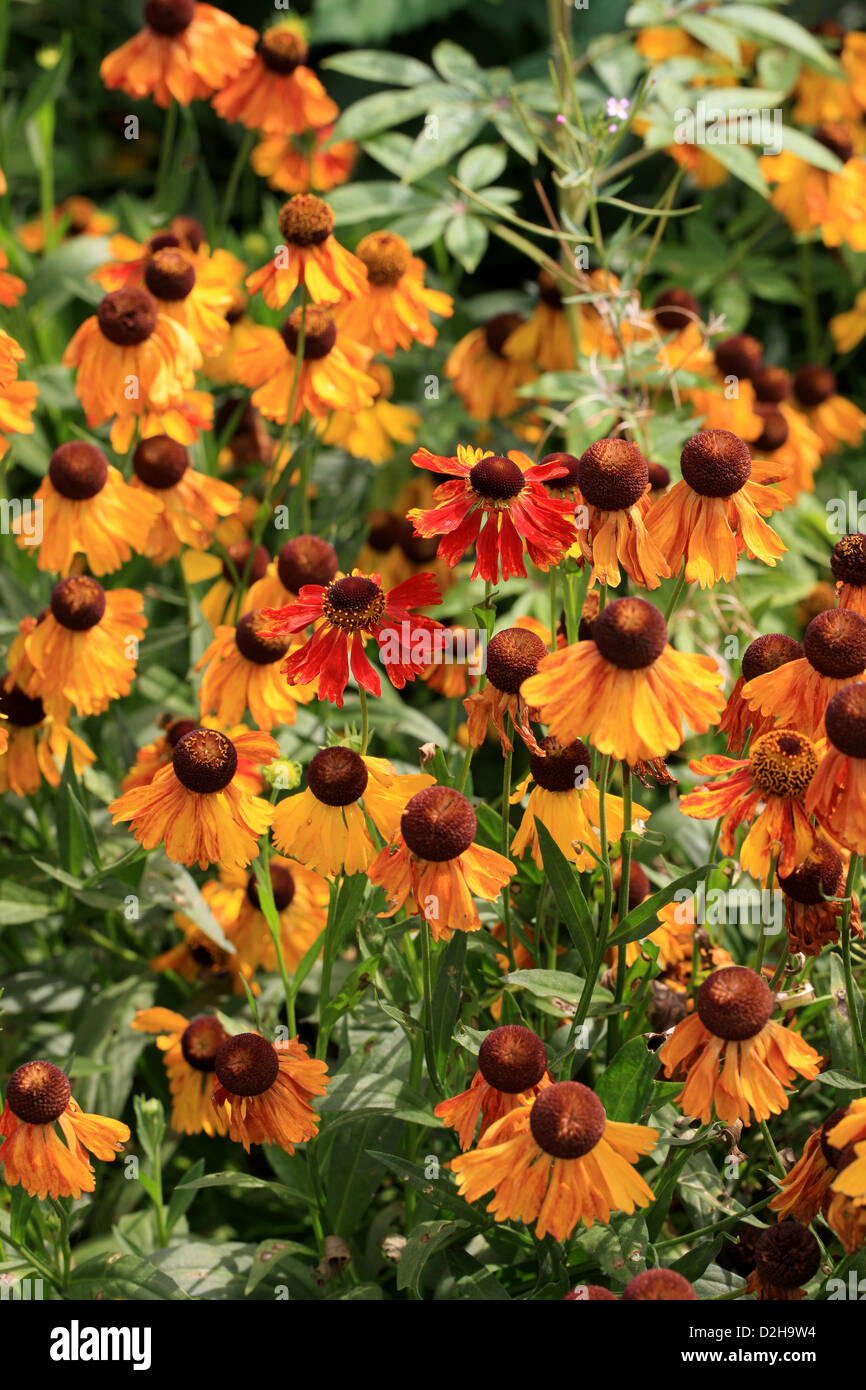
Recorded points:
(429, 1041)
(774, 1152)
(762, 939)
(241, 159)
(615, 1025)
(853, 1012)
(365, 720)
(553, 618)
(675, 596)
(506, 836)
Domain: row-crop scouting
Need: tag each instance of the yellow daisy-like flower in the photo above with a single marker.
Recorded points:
(36, 742)
(190, 1049)
(484, 376)
(332, 374)
(194, 807)
(195, 292)
(311, 256)
(557, 1162)
(188, 504)
(85, 647)
(373, 432)
(87, 509)
(626, 689)
(325, 825)
(834, 419)
(810, 199)
(242, 672)
(301, 901)
(395, 311)
(512, 1069)
(265, 1090)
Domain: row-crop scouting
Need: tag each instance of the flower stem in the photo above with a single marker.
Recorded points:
(614, 1027)
(506, 835)
(675, 596)
(553, 623)
(365, 720)
(853, 1013)
(241, 158)
(774, 1152)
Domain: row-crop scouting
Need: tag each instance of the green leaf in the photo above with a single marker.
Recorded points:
(447, 993)
(383, 110)
(572, 905)
(466, 238)
(743, 164)
(456, 65)
(440, 1192)
(842, 1080)
(181, 1201)
(482, 165)
(796, 142)
(291, 1194)
(514, 133)
(426, 1239)
(47, 87)
(354, 1094)
(447, 130)
(374, 65)
(769, 24)
(129, 1277)
(378, 199)
(267, 1256)
(631, 928)
(625, 1088)
(712, 35)
(842, 1047)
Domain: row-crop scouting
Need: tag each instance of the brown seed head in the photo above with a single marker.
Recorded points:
(819, 876)
(127, 317)
(675, 309)
(306, 220)
(386, 257)
(630, 633)
(741, 356)
(38, 1093)
(247, 1064)
(787, 1255)
(613, 475)
(512, 657)
(78, 603)
(783, 762)
(835, 643)
(320, 332)
(512, 1059)
(337, 776)
(567, 1119)
(496, 478)
(845, 720)
(306, 560)
(659, 1285)
(78, 470)
(848, 561)
(716, 463)
(814, 385)
(160, 462)
(204, 761)
(768, 653)
(438, 824)
(200, 1042)
(734, 1003)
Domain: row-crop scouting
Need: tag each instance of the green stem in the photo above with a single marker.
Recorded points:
(241, 159)
(365, 720)
(169, 131)
(675, 596)
(615, 1025)
(553, 618)
(506, 835)
(762, 939)
(853, 1012)
(429, 1041)
(774, 1152)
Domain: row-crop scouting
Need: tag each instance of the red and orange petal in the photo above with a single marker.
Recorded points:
(233, 684)
(93, 667)
(837, 796)
(482, 1101)
(283, 1114)
(36, 751)
(47, 1165)
(778, 825)
(710, 533)
(185, 66)
(328, 270)
(276, 104)
(337, 381)
(192, 1111)
(163, 367)
(291, 169)
(106, 528)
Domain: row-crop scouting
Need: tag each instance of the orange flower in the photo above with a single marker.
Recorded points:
(17, 403)
(128, 340)
(545, 338)
(512, 656)
(131, 258)
(813, 199)
(325, 826)
(11, 286)
(301, 903)
(714, 514)
(372, 432)
(766, 653)
(395, 311)
(276, 92)
(845, 1209)
(332, 375)
(88, 509)
(195, 292)
(291, 165)
(485, 378)
(194, 807)
(814, 902)
(787, 1256)
(37, 740)
(626, 689)
(202, 959)
(765, 790)
(848, 563)
(732, 1028)
(38, 1097)
(837, 793)
(835, 420)
(556, 1162)
(85, 647)
(186, 52)
(611, 489)
(188, 504)
(264, 1091)
(804, 1186)
(156, 755)
(433, 861)
(311, 257)
(79, 217)
(241, 672)
(512, 1069)
(797, 693)
(303, 560)
(190, 1049)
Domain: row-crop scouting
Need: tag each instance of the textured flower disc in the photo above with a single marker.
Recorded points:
(337, 776)
(567, 1119)
(253, 643)
(496, 478)
(740, 356)
(239, 555)
(247, 1064)
(589, 1293)
(201, 1041)
(159, 462)
(168, 18)
(848, 561)
(512, 657)
(612, 475)
(320, 332)
(282, 884)
(787, 1255)
(845, 720)
(78, 470)
(306, 560)
(659, 1286)
(813, 385)
(38, 1093)
(835, 643)
(386, 257)
(305, 220)
(205, 761)
(438, 824)
(734, 1003)
(773, 385)
(282, 49)
(170, 275)
(630, 633)
(659, 476)
(837, 1158)
(716, 463)
(498, 330)
(836, 137)
(775, 432)
(78, 603)
(512, 1059)
(768, 653)
(566, 481)
(353, 603)
(127, 317)
(819, 876)
(783, 762)
(675, 309)
(561, 769)
(21, 711)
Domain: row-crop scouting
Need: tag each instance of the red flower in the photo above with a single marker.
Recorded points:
(499, 504)
(346, 613)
